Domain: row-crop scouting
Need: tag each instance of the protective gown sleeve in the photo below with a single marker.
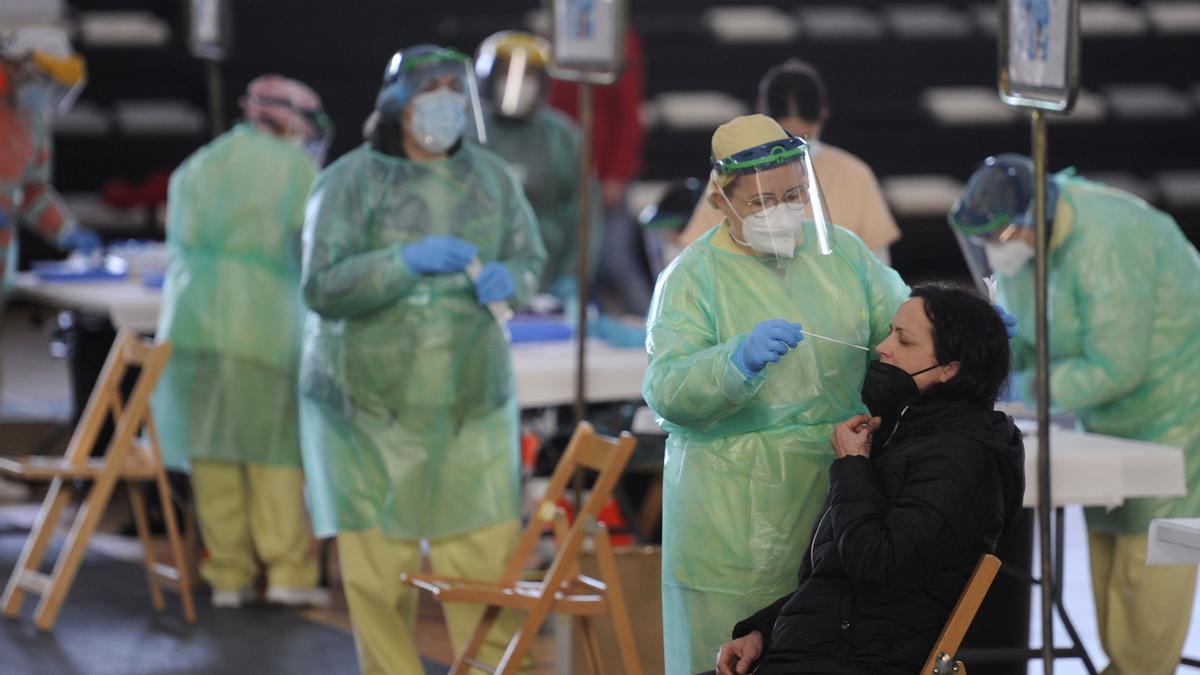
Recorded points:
(522, 251)
(339, 278)
(42, 210)
(1115, 291)
(691, 380)
(567, 211)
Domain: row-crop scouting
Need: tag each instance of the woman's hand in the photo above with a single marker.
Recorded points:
(736, 656)
(853, 437)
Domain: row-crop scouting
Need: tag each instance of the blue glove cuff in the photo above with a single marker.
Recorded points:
(739, 361)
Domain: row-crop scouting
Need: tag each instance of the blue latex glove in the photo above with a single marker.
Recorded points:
(439, 254)
(83, 240)
(768, 342)
(494, 283)
(1010, 321)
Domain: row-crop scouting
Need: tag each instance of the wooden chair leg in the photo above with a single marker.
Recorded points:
(470, 650)
(74, 548)
(591, 646)
(35, 546)
(182, 562)
(626, 643)
(521, 642)
(137, 502)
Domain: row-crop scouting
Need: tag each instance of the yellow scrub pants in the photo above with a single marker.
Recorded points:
(1142, 611)
(383, 611)
(252, 512)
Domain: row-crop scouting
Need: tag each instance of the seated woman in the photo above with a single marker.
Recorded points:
(919, 490)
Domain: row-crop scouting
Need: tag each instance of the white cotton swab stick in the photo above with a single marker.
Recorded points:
(499, 309)
(822, 337)
(990, 282)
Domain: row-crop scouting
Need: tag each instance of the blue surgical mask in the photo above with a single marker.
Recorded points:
(439, 118)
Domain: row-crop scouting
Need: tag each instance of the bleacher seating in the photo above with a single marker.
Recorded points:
(890, 66)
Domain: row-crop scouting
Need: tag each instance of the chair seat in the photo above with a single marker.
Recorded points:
(49, 467)
(581, 596)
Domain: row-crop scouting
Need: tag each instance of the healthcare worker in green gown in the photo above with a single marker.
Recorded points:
(746, 390)
(227, 402)
(408, 405)
(1125, 357)
(543, 147)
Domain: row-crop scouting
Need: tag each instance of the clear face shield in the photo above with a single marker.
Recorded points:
(311, 128)
(42, 94)
(317, 146)
(440, 89)
(776, 197)
(992, 222)
(517, 84)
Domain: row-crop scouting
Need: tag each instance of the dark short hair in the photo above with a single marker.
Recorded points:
(793, 89)
(966, 329)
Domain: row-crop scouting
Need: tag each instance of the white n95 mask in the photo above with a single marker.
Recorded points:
(1007, 258)
(775, 231)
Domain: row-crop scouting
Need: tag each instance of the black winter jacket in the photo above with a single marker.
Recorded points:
(898, 539)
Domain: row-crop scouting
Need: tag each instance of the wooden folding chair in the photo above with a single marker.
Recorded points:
(127, 458)
(941, 659)
(563, 589)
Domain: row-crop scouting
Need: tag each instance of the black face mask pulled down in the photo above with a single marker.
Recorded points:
(887, 389)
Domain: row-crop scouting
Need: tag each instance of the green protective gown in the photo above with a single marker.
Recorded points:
(231, 302)
(544, 152)
(747, 460)
(1124, 333)
(408, 405)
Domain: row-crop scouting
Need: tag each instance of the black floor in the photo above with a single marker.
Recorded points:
(107, 626)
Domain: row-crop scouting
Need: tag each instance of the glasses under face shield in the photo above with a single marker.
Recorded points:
(795, 199)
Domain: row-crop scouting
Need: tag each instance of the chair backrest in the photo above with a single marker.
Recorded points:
(964, 611)
(129, 414)
(586, 450)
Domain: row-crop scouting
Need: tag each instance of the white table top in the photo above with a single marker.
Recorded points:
(1174, 541)
(127, 302)
(545, 372)
(1095, 470)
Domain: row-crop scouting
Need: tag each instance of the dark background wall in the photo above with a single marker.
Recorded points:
(340, 48)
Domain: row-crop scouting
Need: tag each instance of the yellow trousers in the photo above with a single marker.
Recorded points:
(252, 512)
(1142, 611)
(383, 611)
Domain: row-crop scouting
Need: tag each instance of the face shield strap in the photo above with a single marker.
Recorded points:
(976, 224)
(765, 156)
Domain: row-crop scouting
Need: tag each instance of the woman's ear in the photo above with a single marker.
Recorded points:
(948, 372)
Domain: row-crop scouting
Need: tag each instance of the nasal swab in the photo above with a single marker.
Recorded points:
(990, 282)
(822, 337)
